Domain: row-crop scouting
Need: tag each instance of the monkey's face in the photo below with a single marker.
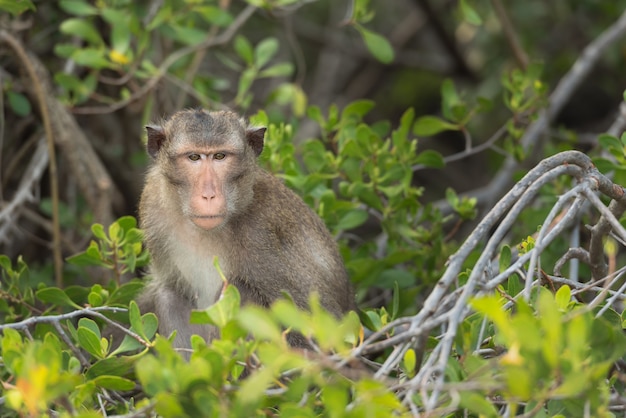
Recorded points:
(209, 159)
(206, 177)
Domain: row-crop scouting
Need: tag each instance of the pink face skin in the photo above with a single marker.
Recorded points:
(208, 170)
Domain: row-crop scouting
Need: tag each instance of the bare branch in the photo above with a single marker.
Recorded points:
(534, 135)
(24, 194)
(210, 42)
(445, 308)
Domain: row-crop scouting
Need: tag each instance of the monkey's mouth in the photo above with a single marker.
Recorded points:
(207, 222)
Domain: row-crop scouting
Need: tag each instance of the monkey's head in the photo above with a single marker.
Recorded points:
(208, 158)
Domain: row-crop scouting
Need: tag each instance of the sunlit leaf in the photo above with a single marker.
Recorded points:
(265, 51)
(430, 158)
(83, 29)
(380, 47)
(432, 125)
(55, 296)
(19, 103)
(78, 7)
(469, 14)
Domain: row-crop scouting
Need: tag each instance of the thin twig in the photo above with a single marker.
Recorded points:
(534, 135)
(160, 72)
(17, 47)
(510, 34)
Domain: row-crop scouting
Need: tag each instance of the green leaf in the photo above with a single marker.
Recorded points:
(352, 219)
(432, 125)
(115, 232)
(380, 48)
(563, 297)
(469, 14)
(290, 316)
(409, 362)
(282, 69)
(188, 35)
(430, 158)
(82, 29)
(90, 257)
(77, 7)
(245, 81)
(91, 57)
(225, 309)
(16, 8)
(335, 401)
(88, 340)
(91, 325)
(491, 307)
(5, 263)
(395, 303)
(358, 108)
(215, 15)
(265, 51)
(134, 317)
(55, 296)
(98, 231)
(452, 198)
(114, 383)
(19, 103)
(120, 29)
(449, 99)
(505, 258)
(257, 321)
(116, 366)
(123, 294)
(371, 320)
(95, 299)
(609, 142)
(478, 404)
(604, 165)
(253, 388)
(243, 48)
(390, 278)
(128, 344)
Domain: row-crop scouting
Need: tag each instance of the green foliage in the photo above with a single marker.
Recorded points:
(116, 38)
(16, 7)
(47, 373)
(120, 250)
(557, 354)
(524, 94)
(469, 14)
(357, 173)
(549, 356)
(377, 45)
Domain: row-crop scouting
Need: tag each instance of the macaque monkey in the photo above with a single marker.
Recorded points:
(205, 196)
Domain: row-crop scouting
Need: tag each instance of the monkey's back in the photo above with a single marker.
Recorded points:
(277, 244)
(287, 247)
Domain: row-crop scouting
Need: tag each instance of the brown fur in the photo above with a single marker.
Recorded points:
(267, 240)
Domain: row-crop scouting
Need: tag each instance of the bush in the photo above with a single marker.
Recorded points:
(467, 307)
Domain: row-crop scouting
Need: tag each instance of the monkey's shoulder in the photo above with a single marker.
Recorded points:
(275, 202)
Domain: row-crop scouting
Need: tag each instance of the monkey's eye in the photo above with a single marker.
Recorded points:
(194, 157)
(219, 156)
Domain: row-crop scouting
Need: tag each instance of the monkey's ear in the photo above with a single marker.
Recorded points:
(255, 139)
(156, 138)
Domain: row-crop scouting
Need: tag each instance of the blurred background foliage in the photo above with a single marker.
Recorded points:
(396, 121)
(344, 87)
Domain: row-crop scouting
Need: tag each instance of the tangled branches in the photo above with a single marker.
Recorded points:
(447, 305)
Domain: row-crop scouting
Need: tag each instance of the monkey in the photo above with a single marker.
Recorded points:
(206, 196)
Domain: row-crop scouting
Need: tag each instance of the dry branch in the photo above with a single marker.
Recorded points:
(534, 136)
(25, 192)
(446, 307)
(93, 179)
